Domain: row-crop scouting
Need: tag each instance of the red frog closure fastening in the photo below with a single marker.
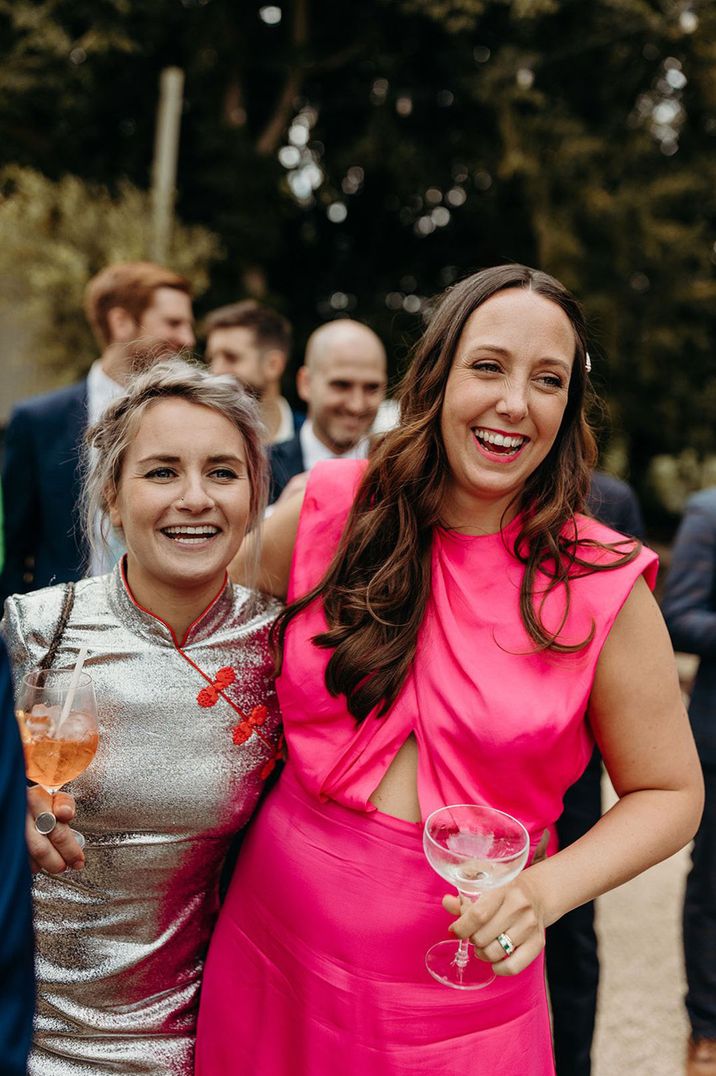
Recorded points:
(209, 696)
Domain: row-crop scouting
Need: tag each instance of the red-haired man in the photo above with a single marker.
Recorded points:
(139, 312)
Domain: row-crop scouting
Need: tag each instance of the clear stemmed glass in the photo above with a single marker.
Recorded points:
(57, 746)
(474, 848)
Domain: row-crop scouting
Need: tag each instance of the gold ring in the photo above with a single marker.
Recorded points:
(507, 944)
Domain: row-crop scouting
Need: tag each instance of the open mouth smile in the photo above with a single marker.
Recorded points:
(504, 445)
(191, 536)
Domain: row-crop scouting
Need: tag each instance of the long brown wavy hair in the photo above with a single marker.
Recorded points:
(376, 588)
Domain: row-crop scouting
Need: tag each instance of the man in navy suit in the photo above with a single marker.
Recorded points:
(139, 312)
(17, 982)
(571, 955)
(343, 383)
(689, 608)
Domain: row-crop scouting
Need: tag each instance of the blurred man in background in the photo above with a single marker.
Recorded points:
(253, 343)
(139, 312)
(342, 382)
(689, 608)
(17, 984)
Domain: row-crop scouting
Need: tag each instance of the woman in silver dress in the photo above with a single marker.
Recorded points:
(188, 721)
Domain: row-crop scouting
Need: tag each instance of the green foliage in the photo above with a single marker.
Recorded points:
(455, 16)
(55, 235)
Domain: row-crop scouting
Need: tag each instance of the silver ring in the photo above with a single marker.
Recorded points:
(507, 944)
(45, 823)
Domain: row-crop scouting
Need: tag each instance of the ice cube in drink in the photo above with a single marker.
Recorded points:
(52, 760)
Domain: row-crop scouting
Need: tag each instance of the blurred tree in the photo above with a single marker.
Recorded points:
(356, 158)
(55, 235)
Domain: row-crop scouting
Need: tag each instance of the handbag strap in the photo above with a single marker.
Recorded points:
(67, 604)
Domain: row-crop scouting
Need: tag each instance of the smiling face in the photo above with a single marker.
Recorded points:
(344, 400)
(343, 382)
(504, 401)
(182, 503)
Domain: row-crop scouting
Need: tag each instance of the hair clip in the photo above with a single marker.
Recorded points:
(587, 363)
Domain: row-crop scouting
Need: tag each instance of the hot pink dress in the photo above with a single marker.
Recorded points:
(316, 967)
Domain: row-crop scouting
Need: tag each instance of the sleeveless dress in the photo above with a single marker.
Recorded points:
(121, 944)
(316, 966)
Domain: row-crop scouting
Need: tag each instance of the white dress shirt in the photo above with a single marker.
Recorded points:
(101, 390)
(286, 430)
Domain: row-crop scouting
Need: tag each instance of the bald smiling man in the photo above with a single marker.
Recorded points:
(343, 383)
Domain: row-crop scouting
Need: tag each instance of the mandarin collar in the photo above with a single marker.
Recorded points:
(153, 629)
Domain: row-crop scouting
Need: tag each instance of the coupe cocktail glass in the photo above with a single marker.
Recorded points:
(474, 848)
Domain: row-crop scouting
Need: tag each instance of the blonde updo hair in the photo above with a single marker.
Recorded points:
(108, 439)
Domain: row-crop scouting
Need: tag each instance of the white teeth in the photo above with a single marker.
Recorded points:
(499, 439)
(191, 532)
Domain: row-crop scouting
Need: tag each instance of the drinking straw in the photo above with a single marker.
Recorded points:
(71, 691)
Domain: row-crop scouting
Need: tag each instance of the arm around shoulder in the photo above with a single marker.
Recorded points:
(264, 558)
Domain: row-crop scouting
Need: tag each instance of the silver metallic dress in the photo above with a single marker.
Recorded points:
(188, 733)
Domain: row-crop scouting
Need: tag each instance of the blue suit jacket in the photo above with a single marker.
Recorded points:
(44, 540)
(614, 503)
(286, 460)
(17, 984)
(689, 607)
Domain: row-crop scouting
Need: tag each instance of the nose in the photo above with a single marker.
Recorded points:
(355, 402)
(184, 336)
(194, 496)
(219, 365)
(513, 402)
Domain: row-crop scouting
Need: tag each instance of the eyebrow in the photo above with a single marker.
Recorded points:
(497, 350)
(221, 458)
(338, 381)
(232, 353)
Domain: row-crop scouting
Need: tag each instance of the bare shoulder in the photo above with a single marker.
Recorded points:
(637, 649)
(639, 618)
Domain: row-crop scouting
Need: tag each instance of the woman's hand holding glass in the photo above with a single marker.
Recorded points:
(513, 912)
(478, 849)
(57, 717)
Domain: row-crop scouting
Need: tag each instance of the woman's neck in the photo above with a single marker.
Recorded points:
(472, 517)
(177, 608)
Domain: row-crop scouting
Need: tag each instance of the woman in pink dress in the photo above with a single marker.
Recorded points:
(457, 632)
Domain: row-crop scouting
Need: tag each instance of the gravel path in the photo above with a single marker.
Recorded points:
(641, 1025)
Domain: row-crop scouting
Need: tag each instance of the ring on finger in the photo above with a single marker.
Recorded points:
(45, 823)
(507, 944)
